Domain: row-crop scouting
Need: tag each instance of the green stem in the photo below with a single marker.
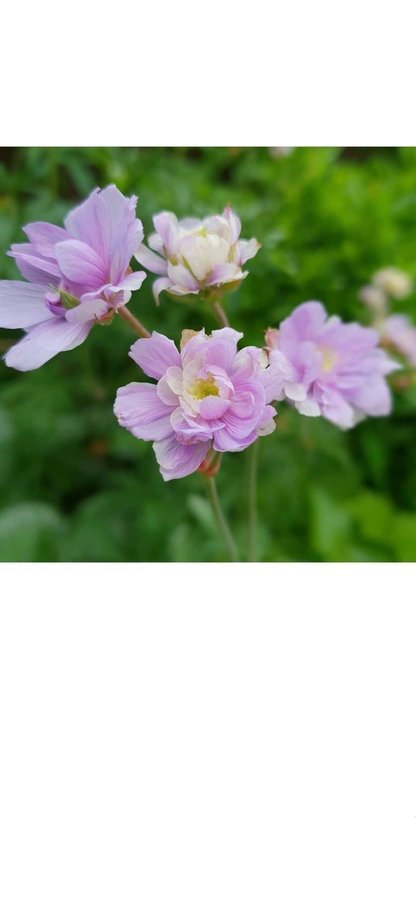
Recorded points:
(222, 522)
(220, 314)
(252, 460)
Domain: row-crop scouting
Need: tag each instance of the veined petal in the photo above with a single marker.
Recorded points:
(44, 341)
(233, 222)
(33, 266)
(295, 391)
(224, 273)
(139, 409)
(155, 354)
(131, 282)
(177, 460)
(46, 235)
(166, 225)
(151, 261)
(213, 407)
(22, 305)
(161, 284)
(88, 311)
(182, 280)
(308, 407)
(81, 264)
(247, 249)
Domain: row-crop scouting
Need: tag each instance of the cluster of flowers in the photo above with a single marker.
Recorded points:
(396, 331)
(209, 397)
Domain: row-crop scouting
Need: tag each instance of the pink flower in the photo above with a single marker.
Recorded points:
(330, 368)
(399, 333)
(207, 396)
(76, 276)
(193, 255)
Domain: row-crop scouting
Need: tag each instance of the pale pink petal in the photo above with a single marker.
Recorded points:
(225, 273)
(80, 264)
(166, 393)
(44, 341)
(139, 409)
(213, 407)
(151, 261)
(33, 266)
(131, 282)
(88, 311)
(267, 424)
(183, 282)
(166, 225)
(308, 408)
(247, 249)
(233, 222)
(22, 305)
(295, 391)
(161, 284)
(177, 460)
(46, 235)
(155, 354)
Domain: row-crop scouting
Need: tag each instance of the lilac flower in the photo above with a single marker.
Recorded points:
(399, 333)
(330, 368)
(76, 276)
(193, 255)
(208, 396)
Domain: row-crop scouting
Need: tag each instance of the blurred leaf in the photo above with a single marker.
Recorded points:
(330, 526)
(403, 536)
(30, 532)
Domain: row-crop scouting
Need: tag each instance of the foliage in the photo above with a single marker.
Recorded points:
(77, 487)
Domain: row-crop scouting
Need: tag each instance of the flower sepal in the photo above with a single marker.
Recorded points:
(211, 465)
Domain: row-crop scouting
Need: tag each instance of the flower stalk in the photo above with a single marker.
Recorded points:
(252, 466)
(221, 520)
(134, 323)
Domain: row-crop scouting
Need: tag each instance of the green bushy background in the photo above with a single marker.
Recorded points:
(77, 487)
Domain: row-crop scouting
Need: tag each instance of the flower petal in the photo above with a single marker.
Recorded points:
(22, 305)
(139, 409)
(166, 225)
(155, 354)
(177, 460)
(80, 264)
(151, 261)
(224, 273)
(88, 311)
(161, 284)
(44, 341)
(247, 249)
(34, 266)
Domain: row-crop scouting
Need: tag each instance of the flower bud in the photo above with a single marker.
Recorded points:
(393, 282)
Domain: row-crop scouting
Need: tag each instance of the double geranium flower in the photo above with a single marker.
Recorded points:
(328, 367)
(208, 396)
(196, 255)
(76, 276)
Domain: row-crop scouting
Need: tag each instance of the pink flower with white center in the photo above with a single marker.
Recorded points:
(194, 255)
(399, 333)
(208, 396)
(330, 368)
(76, 276)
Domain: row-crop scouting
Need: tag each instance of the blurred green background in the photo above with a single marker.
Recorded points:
(77, 487)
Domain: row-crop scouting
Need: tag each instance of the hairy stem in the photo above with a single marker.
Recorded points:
(252, 461)
(133, 322)
(222, 522)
